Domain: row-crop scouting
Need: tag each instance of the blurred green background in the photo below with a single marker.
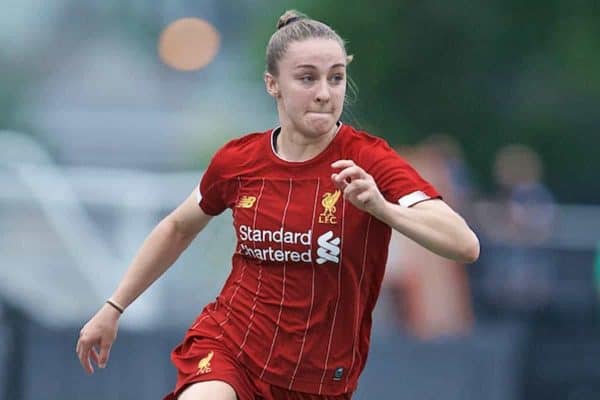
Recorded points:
(488, 73)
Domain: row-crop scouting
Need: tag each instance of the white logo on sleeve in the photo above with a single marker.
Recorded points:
(329, 248)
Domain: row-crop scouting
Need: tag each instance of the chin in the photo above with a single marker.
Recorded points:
(320, 131)
(321, 127)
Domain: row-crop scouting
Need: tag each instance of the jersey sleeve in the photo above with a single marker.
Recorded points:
(212, 191)
(397, 180)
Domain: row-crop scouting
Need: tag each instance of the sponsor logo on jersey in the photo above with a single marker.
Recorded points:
(255, 243)
(328, 203)
(329, 248)
(204, 364)
(277, 236)
(279, 255)
(246, 202)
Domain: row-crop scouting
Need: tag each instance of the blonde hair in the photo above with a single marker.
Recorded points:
(294, 26)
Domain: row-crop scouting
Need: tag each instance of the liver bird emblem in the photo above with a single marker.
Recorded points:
(204, 364)
(329, 201)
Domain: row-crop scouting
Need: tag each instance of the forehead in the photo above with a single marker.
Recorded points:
(317, 52)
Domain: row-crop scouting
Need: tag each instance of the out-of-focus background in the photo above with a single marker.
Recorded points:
(110, 110)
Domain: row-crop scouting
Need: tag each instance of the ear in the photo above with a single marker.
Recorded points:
(271, 85)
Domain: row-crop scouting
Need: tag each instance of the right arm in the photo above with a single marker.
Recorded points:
(159, 251)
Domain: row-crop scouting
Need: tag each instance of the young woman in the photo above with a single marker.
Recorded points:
(314, 202)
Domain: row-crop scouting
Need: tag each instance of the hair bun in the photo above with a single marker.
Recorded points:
(289, 17)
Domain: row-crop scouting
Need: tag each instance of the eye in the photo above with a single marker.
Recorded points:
(306, 78)
(337, 78)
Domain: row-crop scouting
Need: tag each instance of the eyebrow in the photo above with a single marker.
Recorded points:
(313, 67)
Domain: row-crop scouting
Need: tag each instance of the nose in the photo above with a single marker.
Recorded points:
(322, 94)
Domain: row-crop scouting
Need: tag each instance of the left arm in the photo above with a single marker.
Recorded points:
(435, 226)
(432, 223)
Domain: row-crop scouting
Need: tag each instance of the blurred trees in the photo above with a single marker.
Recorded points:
(488, 73)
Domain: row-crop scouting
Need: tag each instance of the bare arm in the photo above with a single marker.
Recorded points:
(159, 251)
(435, 226)
(432, 224)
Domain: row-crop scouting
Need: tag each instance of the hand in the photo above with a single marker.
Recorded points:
(358, 186)
(98, 333)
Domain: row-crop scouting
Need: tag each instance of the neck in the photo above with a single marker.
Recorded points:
(292, 145)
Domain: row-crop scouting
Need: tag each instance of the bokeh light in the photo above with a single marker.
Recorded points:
(188, 44)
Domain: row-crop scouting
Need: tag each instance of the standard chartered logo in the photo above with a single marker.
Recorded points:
(329, 248)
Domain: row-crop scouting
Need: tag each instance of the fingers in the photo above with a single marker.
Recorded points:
(350, 172)
(347, 165)
(96, 339)
(84, 348)
(104, 354)
(342, 164)
(87, 351)
(353, 181)
(95, 356)
(361, 193)
(356, 187)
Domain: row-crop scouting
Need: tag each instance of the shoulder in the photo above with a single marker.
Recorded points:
(244, 147)
(244, 143)
(363, 144)
(353, 134)
(240, 152)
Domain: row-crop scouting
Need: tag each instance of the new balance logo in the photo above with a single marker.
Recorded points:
(246, 202)
(329, 248)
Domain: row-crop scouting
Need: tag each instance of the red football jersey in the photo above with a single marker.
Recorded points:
(308, 265)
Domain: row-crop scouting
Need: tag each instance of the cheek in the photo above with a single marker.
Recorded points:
(340, 95)
(296, 101)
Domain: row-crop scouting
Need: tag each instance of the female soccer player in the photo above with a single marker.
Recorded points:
(313, 201)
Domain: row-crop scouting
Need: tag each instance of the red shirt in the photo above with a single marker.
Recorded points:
(308, 265)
